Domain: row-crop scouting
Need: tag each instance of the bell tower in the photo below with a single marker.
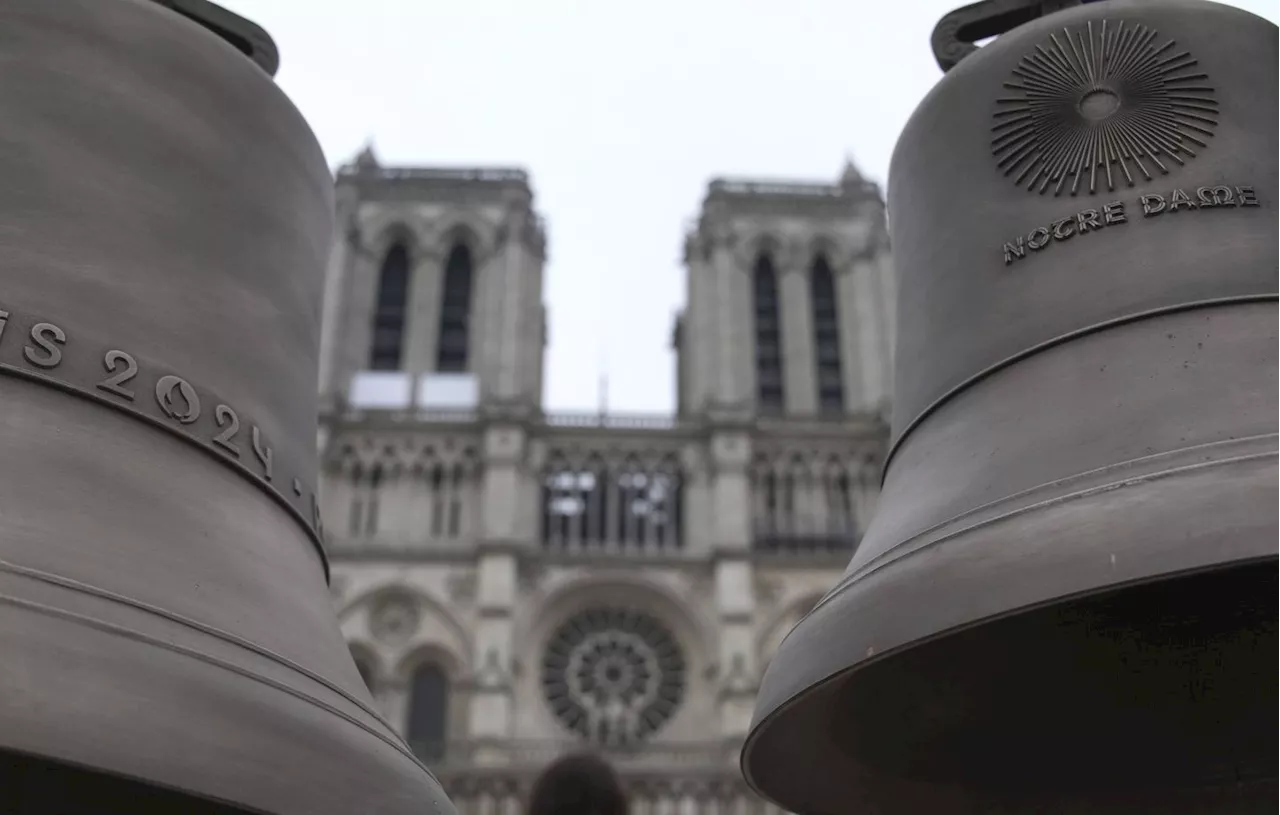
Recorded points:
(433, 296)
(790, 301)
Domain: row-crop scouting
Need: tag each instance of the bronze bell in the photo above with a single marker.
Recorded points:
(167, 642)
(1067, 600)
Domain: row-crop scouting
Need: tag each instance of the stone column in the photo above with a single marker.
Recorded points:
(500, 538)
(888, 298)
(798, 360)
(532, 341)
(491, 713)
(731, 361)
(735, 611)
(872, 352)
(332, 337)
(422, 331)
(507, 311)
(508, 291)
(698, 347)
(741, 352)
(852, 331)
(734, 578)
(696, 500)
(356, 317)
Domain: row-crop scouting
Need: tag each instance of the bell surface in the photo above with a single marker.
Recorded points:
(1066, 601)
(167, 642)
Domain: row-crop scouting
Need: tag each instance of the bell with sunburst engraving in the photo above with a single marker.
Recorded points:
(1066, 602)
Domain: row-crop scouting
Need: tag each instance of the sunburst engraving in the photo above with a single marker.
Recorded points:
(1099, 107)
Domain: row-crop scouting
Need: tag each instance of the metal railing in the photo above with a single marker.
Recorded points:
(784, 545)
(527, 753)
(612, 421)
(724, 186)
(490, 175)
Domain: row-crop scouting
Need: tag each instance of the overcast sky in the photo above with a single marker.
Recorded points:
(621, 112)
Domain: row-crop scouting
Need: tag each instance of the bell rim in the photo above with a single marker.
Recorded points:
(125, 691)
(809, 686)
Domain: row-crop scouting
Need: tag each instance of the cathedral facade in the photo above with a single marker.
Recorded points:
(515, 583)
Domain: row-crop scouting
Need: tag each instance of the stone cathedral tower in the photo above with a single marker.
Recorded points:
(515, 583)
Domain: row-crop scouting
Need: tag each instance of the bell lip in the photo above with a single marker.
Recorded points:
(238, 757)
(801, 690)
(815, 692)
(232, 807)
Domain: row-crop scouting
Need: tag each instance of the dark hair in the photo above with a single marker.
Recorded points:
(579, 784)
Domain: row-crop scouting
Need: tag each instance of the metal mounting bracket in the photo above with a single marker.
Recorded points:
(248, 38)
(956, 34)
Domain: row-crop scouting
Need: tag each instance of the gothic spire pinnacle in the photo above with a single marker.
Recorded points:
(850, 176)
(366, 159)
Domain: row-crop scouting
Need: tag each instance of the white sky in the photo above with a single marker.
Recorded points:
(621, 112)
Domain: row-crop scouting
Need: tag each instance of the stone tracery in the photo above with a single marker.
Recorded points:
(613, 675)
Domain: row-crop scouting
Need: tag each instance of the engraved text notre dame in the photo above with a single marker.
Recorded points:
(1119, 212)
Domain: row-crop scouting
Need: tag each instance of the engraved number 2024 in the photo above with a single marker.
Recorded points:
(115, 382)
(123, 368)
(226, 418)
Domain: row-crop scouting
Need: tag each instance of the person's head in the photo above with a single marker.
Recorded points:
(580, 784)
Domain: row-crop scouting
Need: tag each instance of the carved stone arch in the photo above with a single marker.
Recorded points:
(689, 625)
(433, 653)
(762, 242)
(562, 457)
(471, 462)
(670, 462)
(761, 460)
(835, 465)
(437, 673)
(390, 230)
(453, 637)
(369, 457)
(345, 461)
(467, 227)
(595, 461)
(798, 463)
(823, 245)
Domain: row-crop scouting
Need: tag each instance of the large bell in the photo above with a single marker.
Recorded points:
(1067, 600)
(167, 642)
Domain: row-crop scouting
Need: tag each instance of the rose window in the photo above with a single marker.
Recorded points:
(613, 676)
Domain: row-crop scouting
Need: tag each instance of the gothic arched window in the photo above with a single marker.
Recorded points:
(768, 337)
(455, 312)
(826, 337)
(428, 711)
(364, 500)
(389, 311)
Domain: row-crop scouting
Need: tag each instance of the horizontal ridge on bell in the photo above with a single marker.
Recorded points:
(1065, 601)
